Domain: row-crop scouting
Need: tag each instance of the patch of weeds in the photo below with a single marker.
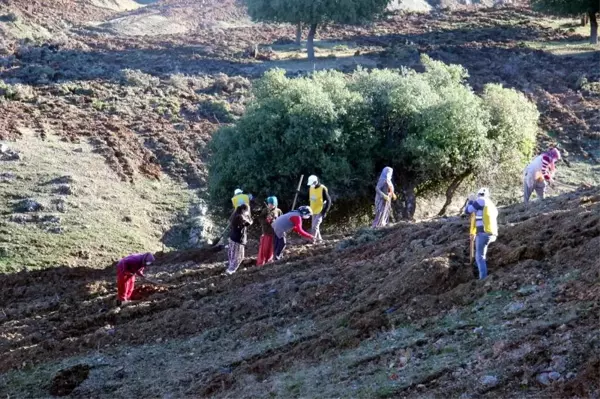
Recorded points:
(17, 92)
(215, 111)
(294, 388)
(99, 105)
(343, 322)
(448, 349)
(73, 88)
(499, 294)
(570, 276)
(340, 47)
(185, 83)
(168, 108)
(386, 391)
(135, 77)
(363, 236)
(402, 52)
(593, 87)
(229, 84)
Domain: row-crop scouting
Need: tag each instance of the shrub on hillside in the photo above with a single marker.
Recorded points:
(430, 127)
(18, 92)
(36, 74)
(215, 111)
(513, 120)
(135, 77)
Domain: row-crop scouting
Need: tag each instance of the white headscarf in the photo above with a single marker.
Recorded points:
(385, 177)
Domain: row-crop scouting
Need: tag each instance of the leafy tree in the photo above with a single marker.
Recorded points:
(294, 126)
(430, 127)
(314, 13)
(572, 8)
(436, 133)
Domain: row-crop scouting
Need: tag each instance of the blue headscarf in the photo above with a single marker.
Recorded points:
(272, 201)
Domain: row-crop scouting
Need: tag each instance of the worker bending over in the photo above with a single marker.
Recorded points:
(127, 269)
(290, 221)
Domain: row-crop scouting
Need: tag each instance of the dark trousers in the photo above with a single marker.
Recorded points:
(279, 244)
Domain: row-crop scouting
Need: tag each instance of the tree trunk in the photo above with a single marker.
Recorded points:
(593, 28)
(310, 46)
(299, 33)
(452, 190)
(584, 20)
(410, 201)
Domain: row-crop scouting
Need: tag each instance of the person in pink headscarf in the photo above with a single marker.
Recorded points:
(540, 173)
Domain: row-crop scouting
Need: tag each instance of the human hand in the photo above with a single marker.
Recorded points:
(394, 197)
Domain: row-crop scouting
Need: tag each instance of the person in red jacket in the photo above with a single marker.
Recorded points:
(290, 221)
(266, 246)
(127, 269)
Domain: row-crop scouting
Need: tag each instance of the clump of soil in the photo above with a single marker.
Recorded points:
(145, 291)
(65, 381)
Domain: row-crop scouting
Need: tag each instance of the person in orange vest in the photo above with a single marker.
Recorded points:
(240, 198)
(320, 204)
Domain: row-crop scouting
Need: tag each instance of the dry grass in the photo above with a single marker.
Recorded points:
(103, 219)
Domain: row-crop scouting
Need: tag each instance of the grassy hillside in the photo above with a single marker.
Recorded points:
(61, 204)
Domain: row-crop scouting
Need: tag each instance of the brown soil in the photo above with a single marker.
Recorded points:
(414, 274)
(136, 137)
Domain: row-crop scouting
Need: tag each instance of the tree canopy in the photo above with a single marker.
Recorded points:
(572, 8)
(315, 12)
(430, 127)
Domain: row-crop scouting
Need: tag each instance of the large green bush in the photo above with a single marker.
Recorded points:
(293, 127)
(430, 127)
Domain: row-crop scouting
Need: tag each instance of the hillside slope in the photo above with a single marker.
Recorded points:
(391, 313)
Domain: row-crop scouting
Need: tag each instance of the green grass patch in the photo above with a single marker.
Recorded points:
(102, 219)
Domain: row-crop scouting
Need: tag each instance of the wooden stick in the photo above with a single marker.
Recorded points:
(297, 191)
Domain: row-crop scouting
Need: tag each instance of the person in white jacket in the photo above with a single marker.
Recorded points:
(540, 173)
